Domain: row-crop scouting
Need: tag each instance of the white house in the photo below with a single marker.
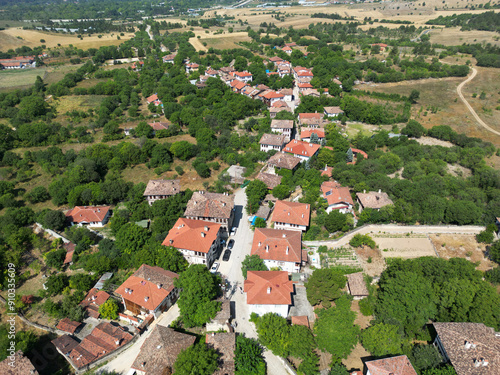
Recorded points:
(291, 215)
(337, 197)
(270, 142)
(284, 127)
(93, 216)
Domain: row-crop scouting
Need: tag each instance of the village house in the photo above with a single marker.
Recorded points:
(276, 60)
(271, 180)
(302, 150)
(327, 171)
(68, 325)
(160, 350)
(243, 76)
(300, 71)
(471, 348)
(271, 97)
(93, 216)
(273, 111)
(310, 92)
(287, 50)
(191, 67)
(305, 134)
(169, 58)
(65, 344)
(374, 200)
(154, 100)
(19, 62)
(356, 285)
(284, 127)
(70, 251)
(337, 82)
(159, 125)
(93, 300)
(198, 241)
(226, 70)
(270, 142)
(237, 86)
(104, 339)
(312, 120)
(161, 189)
(227, 79)
(224, 343)
(382, 46)
(23, 365)
(304, 86)
(287, 94)
(333, 112)
(279, 248)
(291, 215)
(282, 160)
(399, 365)
(337, 197)
(213, 207)
(137, 66)
(222, 320)
(283, 70)
(149, 291)
(268, 292)
(211, 73)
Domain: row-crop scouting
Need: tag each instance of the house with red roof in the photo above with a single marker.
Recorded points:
(312, 120)
(243, 76)
(197, 240)
(68, 325)
(93, 216)
(268, 292)
(149, 291)
(337, 197)
(279, 248)
(70, 250)
(305, 134)
(287, 50)
(169, 58)
(291, 215)
(382, 46)
(211, 73)
(160, 125)
(288, 94)
(301, 149)
(399, 365)
(153, 99)
(191, 67)
(304, 86)
(272, 97)
(237, 86)
(300, 71)
(137, 66)
(93, 300)
(273, 110)
(276, 60)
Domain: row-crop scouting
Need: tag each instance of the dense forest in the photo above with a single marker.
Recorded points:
(488, 21)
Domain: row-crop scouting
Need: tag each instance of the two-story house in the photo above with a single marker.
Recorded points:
(302, 150)
(161, 189)
(284, 127)
(337, 197)
(291, 215)
(212, 207)
(270, 142)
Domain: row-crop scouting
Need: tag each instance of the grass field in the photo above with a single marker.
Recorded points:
(79, 102)
(10, 79)
(452, 36)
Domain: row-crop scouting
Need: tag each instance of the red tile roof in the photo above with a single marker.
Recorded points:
(152, 98)
(310, 115)
(67, 325)
(238, 85)
(243, 74)
(280, 104)
(327, 171)
(301, 148)
(160, 125)
(291, 213)
(148, 286)
(275, 59)
(399, 365)
(357, 151)
(307, 132)
(273, 95)
(305, 85)
(335, 194)
(87, 214)
(194, 235)
(280, 245)
(94, 297)
(300, 320)
(268, 288)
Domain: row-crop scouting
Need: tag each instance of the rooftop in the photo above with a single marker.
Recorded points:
(283, 160)
(334, 193)
(87, 214)
(301, 148)
(291, 213)
(191, 234)
(212, 205)
(357, 285)
(281, 124)
(65, 343)
(373, 199)
(275, 244)
(225, 344)
(333, 110)
(307, 132)
(23, 366)
(272, 139)
(67, 325)
(268, 288)
(271, 180)
(163, 187)
(399, 365)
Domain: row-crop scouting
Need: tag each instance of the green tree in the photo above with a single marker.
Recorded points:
(56, 283)
(281, 192)
(414, 129)
(324, 286)
(414, 96)
(335, 221)
(169, 258)
(182, 150)
(443, 370)
(198, 359)
(338, 369)
(131, 238)
(256, 192)
(259, 223)
(274, 333)
(199, 289)
(31, 108)
(144, 130)
(55, 258)
(335, 330)
(382, 339)
(248, 357)
(54, 219)
(252, 263)
(426, 357)
(109, 309)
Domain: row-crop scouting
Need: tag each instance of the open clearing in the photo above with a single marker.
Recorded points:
(452, 36)
(405, 247)
(10, 79)
(31, 38)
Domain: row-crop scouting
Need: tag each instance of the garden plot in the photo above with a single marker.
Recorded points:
(405, 246)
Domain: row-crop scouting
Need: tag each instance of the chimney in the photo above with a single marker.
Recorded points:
(223, 204)
(284, 235)
(267, 248)
(302, 216)
(206, 228)
(203, 234)
(158, 346)
(260, 243)
(289, 214)
(379, 191)
(477, 363)
(158, 285)
(117, 342)
(268, 290)
(484, 362)
(146, 299)
(171, 241)
(287, 250)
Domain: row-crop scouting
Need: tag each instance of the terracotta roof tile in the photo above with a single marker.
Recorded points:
(307, 132)
(373, 199)
(268, 288)
(272, 139)
(65, 344)
(94, 297)
(335, 194)
(194, 235)
(224, 343)
(399, 365)
(160, 350)
(87, 214)
(301, 148)
(275, 244)
(148, 286)
(300, 320)
(271, 180)
(67, 325)
(160, 125)
(291, 212)
(281, 124)
(23, 366)
(213, 205)
(163, 187)
(282, 160)
(152, 98)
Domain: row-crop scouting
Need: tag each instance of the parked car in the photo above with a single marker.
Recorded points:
(230, 244)
(226, 255)
(233, 231)
(215, 267)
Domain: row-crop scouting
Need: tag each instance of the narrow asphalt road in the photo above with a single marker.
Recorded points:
(469, 107)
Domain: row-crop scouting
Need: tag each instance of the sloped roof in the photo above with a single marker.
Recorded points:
(268, 288)
(373, 199)
(65, 343)
(334, 193)
(399, 365)
(317, 116)
(152, 98)
(238, 85)
(94, 297)
(274, 109)
(271, 180)
(87, 214)
(333, 110)
(225, 344)
(280, 104)
(281, 124)
(148, 286)
(163, 187)
(23, 366)
(301, 148)
(160, 125)
(160, 350)
(272, 139)
(275, 244)
(213, 205)
(305, 85)
(286, 91)
(194, 235)
(484, 343)
(283, 160)
(243, 74)
(291, 213)
(307, 132)
(67, 325)
(275, 59)
(357, 285)
(273, 95)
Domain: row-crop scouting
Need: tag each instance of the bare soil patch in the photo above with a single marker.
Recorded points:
(458, 171)
(405, 247)
(371, 260)
(429, 141)
(355, 360)
(462, 246)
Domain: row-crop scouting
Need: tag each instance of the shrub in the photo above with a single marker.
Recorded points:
(360, 240)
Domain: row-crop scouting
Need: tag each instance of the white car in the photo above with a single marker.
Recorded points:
(233, 231)
(215, 267)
